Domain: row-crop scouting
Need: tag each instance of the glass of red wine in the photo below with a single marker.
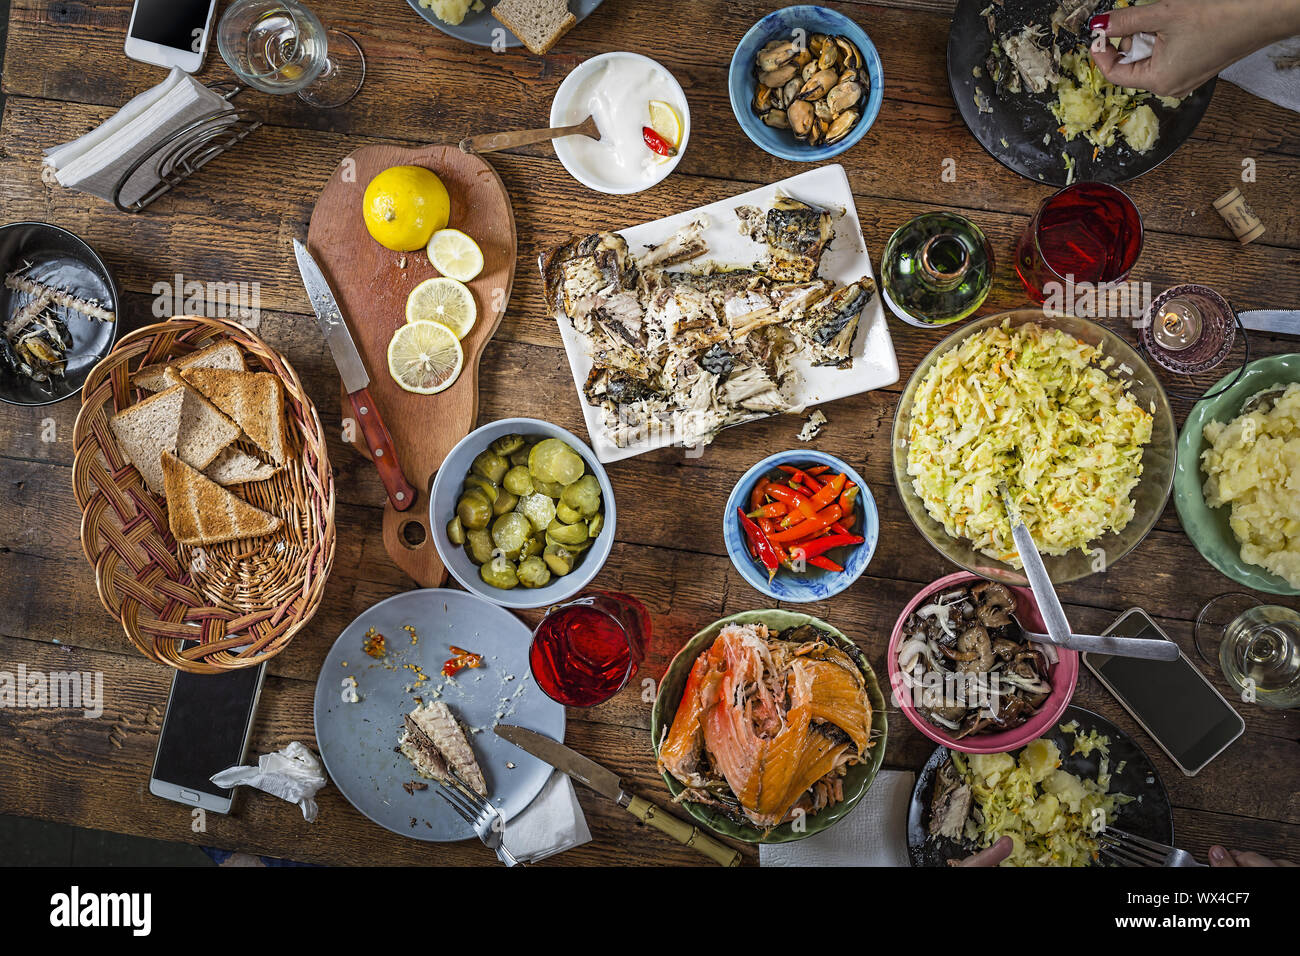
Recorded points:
(585, 652)
(1087, 232)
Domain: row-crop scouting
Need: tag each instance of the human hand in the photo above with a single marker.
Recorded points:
(992, 856)
(1194, 39)
(1221, 857)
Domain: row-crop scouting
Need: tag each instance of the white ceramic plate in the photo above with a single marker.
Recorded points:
(357, 740)
(846, 259)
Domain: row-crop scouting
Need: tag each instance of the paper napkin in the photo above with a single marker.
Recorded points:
(873, 834)
(95, 162)
(552, 823)
(1268, 75)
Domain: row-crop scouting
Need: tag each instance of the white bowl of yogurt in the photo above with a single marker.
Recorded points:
(617, 88)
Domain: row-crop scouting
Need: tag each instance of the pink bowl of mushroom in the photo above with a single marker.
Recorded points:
(962, 670)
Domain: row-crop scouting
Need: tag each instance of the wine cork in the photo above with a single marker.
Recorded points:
(1241, 219)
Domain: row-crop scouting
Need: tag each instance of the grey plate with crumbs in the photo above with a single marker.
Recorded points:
(357, 741)
(480, 27)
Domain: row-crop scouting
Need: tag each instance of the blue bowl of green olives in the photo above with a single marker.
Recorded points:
(522, 513)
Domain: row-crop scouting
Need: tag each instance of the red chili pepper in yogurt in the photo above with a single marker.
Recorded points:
(657, 143)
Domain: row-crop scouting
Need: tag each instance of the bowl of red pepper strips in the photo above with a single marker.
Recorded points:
(801, 526)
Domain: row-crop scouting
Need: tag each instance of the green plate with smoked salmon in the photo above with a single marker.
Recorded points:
(769, 726)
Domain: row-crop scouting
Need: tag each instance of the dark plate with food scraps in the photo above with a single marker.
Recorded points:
(1149, 815)
(58, 313)
(1020, 132)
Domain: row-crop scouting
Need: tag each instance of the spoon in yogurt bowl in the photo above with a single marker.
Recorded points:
(492, 142)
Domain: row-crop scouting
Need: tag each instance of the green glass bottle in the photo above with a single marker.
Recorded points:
(936, 269)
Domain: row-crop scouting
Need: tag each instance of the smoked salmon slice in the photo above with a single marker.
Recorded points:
(768, 723)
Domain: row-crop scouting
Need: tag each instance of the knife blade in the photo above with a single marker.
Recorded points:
(607, 783)
(356, 380)
(1049, 604)
(1280, 321)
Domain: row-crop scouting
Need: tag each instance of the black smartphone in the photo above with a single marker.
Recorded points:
(206, 729)
(1174, 702)
(170, 32)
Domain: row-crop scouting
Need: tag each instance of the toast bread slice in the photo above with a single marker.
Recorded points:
(147, 429)
(224, 354)
(235, 466)
(539, 23)
(201, 512)
(255, 400)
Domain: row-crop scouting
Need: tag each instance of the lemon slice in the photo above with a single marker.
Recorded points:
(665, 121)
(425, 357)
(455, 254)
(443, 300)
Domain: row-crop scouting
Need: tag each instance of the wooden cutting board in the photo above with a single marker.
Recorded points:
(371, 284)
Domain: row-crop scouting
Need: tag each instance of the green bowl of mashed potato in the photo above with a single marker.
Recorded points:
(1237, 484)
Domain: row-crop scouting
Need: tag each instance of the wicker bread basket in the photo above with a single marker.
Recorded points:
(243, 601)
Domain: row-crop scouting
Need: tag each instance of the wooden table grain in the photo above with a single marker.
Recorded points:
(64, 72)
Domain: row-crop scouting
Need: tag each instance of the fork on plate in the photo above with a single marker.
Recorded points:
(1128, 849)
(479, 813)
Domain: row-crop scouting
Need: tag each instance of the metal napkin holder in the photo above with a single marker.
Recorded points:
(191, 147)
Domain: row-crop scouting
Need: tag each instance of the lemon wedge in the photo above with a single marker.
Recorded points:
(425, 357)
(666, 121)
(455, 254)
(443, 300)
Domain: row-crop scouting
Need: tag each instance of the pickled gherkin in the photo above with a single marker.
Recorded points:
(553, 460)
(567, 514)
(491, 466)
(583, 496)
(510, 532)
(455, 531)
(505, 502)
(473, 510)
(559, 559)
(490, 489)
(499, 573)
(507, 445)
(538, 509)
(567, 534)
(518, 482)
(478, 543)
(533, 573)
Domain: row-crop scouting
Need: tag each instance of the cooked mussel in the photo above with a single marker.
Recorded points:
(815, 91)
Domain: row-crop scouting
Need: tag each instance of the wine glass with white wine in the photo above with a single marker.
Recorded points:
(280, 46)
(1258, 647)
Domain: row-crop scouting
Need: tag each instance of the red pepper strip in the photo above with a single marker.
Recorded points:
(845, 524)
(657, 143)
(823, 544)
(847, 499)
(810, 527)
(829, 492)
(758, 494)
(767, 553)
(819, 470)
(773, 509)
(796, 474)
(795, 503)
(826, 564)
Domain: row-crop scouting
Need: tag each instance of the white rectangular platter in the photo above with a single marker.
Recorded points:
(845, 260)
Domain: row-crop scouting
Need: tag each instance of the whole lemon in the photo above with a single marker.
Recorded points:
(404, 206)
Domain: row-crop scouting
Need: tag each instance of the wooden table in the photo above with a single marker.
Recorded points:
(64, 72)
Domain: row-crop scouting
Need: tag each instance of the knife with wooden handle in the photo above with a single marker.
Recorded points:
(591, 774)
(356, 380)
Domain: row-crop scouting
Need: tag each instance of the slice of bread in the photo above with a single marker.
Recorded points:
(233, 467)
(147, 429)
(204, 432)
(224, 354)
(201, 512)
(539, 23)
(255, 400)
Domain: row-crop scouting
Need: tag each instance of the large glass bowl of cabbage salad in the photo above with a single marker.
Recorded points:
(1062, 409)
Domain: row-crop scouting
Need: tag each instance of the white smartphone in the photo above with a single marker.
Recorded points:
(170, 32)
(206, 730)
(1173, 701)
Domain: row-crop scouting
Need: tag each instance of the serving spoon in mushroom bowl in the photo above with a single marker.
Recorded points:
(1049, 604)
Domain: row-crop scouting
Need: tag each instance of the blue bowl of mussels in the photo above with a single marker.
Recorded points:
(806, 83)
(59, 304)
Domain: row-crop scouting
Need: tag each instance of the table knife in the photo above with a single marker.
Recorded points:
(605, 782)
(355, 379)
(1049, 604)
(1279, 321)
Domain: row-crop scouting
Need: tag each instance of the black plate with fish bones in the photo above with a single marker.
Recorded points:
(51, 255)
(1023, 119)
(1150, 815)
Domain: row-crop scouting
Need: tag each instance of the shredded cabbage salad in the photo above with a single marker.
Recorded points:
(1051, 815)
(1034, 407)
